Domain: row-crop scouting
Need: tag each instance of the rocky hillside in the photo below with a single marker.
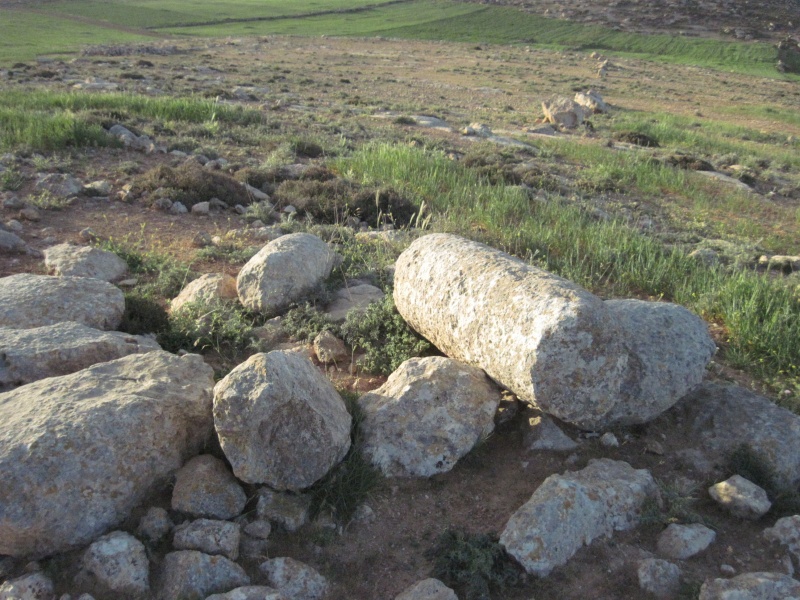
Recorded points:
(771, 19)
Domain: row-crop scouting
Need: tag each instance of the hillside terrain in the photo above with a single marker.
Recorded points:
(685, 189)
(744, 20)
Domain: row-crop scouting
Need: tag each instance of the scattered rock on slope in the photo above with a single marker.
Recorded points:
(60, 349)
(284, 271)
(206, 289)
(569, 511)
(563, 112)
(429, 413)
(755, 586)
(28, 301)
(712, 416)
(280, 421)
(204, 487)
(84, 261)
(78, 452)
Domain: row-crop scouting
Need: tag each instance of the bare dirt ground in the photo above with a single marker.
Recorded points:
(344, 89)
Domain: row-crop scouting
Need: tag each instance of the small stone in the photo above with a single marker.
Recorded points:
(727, 570)
(15, 226)
(34, 586)
(209, 536)
(427, 589)
(295, 580)
(260, 528)
(12, 243)
(288, 510)
(330, 349)
(178, 208)
(249, 592)
(659, 577)
(751, 586)
(116, 564)
(155, 524)
(684, 541)
(742, 498)
(609, 440)
(201, 209)
(544, 434)
(13, 203)
(204, 487)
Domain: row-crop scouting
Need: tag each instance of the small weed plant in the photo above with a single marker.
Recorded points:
(45, 200)
(221, 326)
(352, 481)
(11, 180)
(384, 336)
(676, 505)
(474, 564)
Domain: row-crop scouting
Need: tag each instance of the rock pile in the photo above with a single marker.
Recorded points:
(102, 420)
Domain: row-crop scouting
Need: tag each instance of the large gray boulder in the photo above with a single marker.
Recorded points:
(720, 418)
(552, 343)
(428, 414)
(280, 421)
(284, 271)
(84, 261)
(60, 349)
(79, 452)
(569, 511)
(752, 586)
(28, 301)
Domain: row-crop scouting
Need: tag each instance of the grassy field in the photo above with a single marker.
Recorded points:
(24, 36)
(417, 19)
(158, 14)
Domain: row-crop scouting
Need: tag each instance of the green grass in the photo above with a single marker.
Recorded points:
(171, 13)
(761, 315)
(457, 22)
(418, 19)
(49, 120)
(24, 36)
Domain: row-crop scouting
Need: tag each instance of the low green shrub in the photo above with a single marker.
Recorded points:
(384, 336)
(473, 564)
(305, 322)
(221, 326)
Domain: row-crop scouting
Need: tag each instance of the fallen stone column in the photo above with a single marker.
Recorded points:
(551, 342)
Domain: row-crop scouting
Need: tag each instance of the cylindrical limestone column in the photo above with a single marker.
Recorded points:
(544, 338)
